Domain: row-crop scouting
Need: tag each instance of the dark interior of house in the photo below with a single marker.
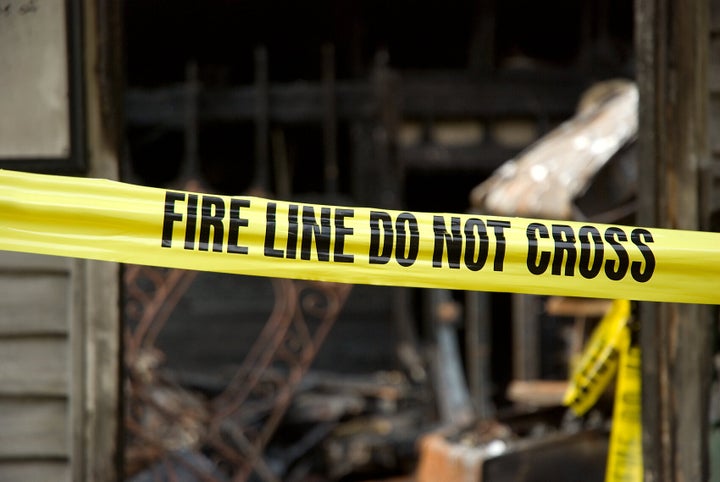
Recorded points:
(405, 105)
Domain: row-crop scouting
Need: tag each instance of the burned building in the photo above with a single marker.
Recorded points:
(413, 106)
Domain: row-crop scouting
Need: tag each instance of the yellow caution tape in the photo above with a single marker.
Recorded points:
(599, 360)
(112, 221)
(625, 463)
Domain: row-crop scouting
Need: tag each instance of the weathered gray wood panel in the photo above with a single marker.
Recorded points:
(35, 309)
(34, 366)
(26, 262)
(32, 471)
(46, 293)
(33, 428)
(59, 317)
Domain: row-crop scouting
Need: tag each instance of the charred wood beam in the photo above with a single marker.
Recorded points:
(331, 170)
(298, 102)
(478, 341)
(262, 120)
(546, 178)
(551, 96)
(485, 156)
(482, 49)
(190, 165)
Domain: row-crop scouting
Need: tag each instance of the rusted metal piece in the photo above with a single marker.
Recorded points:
(163, 418)
(304, 313)
(159, 418)
(151, 296)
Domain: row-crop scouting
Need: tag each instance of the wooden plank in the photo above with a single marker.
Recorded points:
(714, 108)
(40, 470)
(262, 120)
(537, 393)
(566, 158)
(714, 64)
(34, 366)
(526, 337)
(715, 19)
(96, 394)
(96, 329)
(33, 428)
(34, 303)
(566, 306)
(672, 69)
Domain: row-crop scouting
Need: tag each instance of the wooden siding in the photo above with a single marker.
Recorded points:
(35, 471)
(35, 367)
(33, 428)
(59, 318)
(50, 300)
